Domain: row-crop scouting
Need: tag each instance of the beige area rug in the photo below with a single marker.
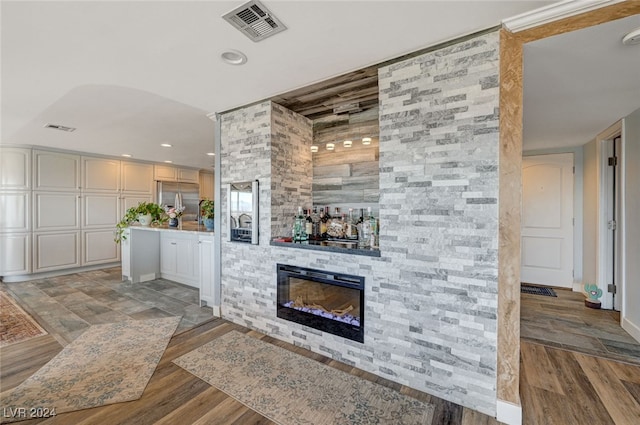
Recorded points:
(107, 364)
(16, 325)
(291, 389)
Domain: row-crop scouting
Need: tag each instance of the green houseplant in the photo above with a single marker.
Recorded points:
(206, 212)
(146, 213)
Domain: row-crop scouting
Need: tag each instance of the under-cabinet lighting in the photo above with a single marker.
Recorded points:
(366, 140)
(314, 148)
(166, 145)
(210, 153)
(330, 146)
(347, 143)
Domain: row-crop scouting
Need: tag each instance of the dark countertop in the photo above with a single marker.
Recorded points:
(345, 247)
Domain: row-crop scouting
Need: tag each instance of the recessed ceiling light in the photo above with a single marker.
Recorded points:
(166, 145)
(314, 148)
(234, 57)
(330, 146)
(210, 153)
(366, 140)
(347, 143)
(632, 37)
(169, 162)
(126, 155)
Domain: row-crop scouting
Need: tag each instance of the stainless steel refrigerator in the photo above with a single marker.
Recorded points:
(186, 194)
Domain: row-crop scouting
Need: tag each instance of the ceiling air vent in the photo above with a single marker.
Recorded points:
(60, 127)
(254, 20)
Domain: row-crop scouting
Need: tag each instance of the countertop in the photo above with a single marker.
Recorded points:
(187, 227)
(343, 247)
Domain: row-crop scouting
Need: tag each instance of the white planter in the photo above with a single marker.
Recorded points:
(144, 220)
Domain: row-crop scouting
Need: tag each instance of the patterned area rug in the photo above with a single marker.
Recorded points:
(291, 389)
(107, 364)
(16, 325)
(537, 290)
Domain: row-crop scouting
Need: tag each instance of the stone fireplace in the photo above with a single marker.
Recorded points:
(327, 301)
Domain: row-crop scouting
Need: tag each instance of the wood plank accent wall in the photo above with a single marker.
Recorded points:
(510, 164)
(346, 177)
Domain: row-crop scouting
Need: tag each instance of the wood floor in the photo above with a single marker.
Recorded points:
(174, 396)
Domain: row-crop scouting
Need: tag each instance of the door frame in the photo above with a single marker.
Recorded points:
(603, 265)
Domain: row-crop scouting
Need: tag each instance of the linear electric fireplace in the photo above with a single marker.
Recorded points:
(327, 301)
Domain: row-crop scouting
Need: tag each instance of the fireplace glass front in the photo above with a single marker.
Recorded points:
(327, 301)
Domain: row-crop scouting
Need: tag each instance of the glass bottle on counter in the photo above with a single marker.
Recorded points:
(323, 224)
(364, 231)
(315, 218)
(299, 224)
(352, 226)
(373, 229)
(308, 223)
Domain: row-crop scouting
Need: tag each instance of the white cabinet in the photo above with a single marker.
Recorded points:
(206, 185)
(14, 211)
(100, 174)
(206, 269)
(56, 211)
(128, 201)
(125, 253)
(56, 250)
(98, 247)
(15, 168)
(187, 175)
(100, 210)
(137, 177)
(56, 171)
(165, 173)
(15, 254)
(179, 257)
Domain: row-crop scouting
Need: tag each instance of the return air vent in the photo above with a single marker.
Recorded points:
(254, 20)
(60, 127)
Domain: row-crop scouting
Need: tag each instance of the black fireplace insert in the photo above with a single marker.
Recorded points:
(327, 301)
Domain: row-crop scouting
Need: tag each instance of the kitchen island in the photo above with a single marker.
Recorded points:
(182, 255)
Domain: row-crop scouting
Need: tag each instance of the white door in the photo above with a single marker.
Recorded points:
(100, 174)
(547, 220)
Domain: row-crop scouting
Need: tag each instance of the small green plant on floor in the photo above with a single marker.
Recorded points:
(157, 213)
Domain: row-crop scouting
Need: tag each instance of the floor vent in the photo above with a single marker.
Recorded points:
(254, 20)
(60, 127)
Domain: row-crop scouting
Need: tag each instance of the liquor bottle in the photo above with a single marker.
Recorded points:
(323, 224)
(364, 231)
(309, 223)
(299, 231)
(352, 226)
(315, 218)
(373, 228)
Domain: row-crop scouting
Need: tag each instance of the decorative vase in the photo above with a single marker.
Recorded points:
(144, 219)
(173, 222)
(208, 223)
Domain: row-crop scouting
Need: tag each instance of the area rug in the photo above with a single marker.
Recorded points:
(537, 290)
(291, 389)
(107, 364)
(16, 325)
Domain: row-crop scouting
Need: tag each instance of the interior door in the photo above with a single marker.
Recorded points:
(547, 220)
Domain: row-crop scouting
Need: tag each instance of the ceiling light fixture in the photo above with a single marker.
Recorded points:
(169, 162)
(347, 143)
(166, 145)
(234, 57)
(126, 155)
(632, 37)
(366, 140)
(314, 148)
(210, 153)
(330, 146)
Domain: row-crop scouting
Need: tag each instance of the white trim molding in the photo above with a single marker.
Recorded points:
(553, 12)
(631, 328)
(508, 413)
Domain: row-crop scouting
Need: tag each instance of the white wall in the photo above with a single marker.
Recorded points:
(590, 212)
(631, 211)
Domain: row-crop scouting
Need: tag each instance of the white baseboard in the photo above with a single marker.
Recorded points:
(631, 328)
(61, 272)
(508, 413)
(578, 287)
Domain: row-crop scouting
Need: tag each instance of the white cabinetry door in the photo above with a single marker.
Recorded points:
(100, 174)
(100, 210)
(56, 250)
(188, 176)
(15, 254)
(206, 269)
(206, 185)
(56, 171)
(168, 255)
(99, 247)
(179, 257)
(129, 201)
(137, 177)
(125, 254)
(165, 173)
(14, 211)
(56, 211)
(15, 168)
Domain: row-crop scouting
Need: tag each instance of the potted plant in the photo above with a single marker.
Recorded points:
(145, 213)
(206, 212)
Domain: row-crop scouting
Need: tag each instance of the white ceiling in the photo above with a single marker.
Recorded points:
(132, 75)
(578, 84)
